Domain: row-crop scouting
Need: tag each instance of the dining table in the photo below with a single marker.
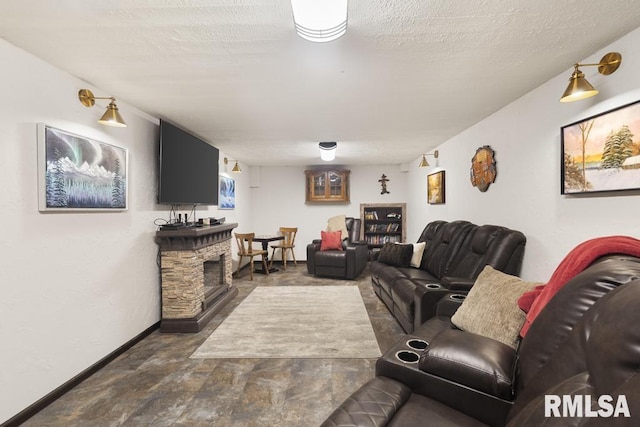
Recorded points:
(265, 239)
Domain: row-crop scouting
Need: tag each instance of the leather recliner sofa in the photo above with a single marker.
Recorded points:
(455, 253)
(347, 263)
(582, 346)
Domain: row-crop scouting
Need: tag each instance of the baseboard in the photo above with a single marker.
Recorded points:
(45, 401)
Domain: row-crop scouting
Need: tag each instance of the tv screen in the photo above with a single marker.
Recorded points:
(188, 168)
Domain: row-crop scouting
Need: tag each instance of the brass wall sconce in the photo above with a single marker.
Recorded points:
(236, 167)
(424, 163)
(111, 117)
(579, 87)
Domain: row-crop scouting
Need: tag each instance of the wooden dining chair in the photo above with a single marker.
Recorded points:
(246, 249)
(285, 245)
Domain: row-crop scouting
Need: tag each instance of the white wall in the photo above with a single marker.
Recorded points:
(280, 200)
(75, 286)
(526, 194)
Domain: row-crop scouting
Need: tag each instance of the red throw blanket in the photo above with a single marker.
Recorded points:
(574, 263)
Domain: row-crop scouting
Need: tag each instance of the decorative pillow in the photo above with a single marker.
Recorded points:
(491, 307)
(331, 240)
(416, 258)
(396, 254)
(338, 223)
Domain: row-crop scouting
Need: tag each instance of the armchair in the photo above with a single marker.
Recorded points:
(347, 263)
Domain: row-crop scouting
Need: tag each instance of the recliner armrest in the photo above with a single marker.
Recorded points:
(449, 304)
(475, 361)
(457, 283)
(312, 248)
(357, 257)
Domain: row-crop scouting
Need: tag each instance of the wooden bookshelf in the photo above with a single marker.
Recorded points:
(383, 222)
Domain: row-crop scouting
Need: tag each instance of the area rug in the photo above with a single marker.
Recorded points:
(295, 322)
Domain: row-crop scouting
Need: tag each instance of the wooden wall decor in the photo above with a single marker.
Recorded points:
(483, 168)
(383, 182)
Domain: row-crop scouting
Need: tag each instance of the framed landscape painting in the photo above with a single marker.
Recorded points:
(227, 199)
(435, 188)
(602, 152)
(76, 173)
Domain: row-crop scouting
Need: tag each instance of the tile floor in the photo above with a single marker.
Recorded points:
(156, 384)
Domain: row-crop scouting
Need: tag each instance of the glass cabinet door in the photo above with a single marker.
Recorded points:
(335, 185)
(319, 187)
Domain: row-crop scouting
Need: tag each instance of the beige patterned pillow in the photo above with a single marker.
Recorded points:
(338, 223)
(491, 307)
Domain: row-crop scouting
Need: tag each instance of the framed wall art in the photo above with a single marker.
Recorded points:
(435, 188)
(602, 152)
(76, 173)
(227, 198)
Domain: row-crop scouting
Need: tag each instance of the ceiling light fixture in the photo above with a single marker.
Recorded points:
(328, 150)
(236, 167)
(424, 163)
(111, 117)
(320, 20)
(579, 87)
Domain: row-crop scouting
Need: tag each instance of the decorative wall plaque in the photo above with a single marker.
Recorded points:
(483, 168)
(383, 183)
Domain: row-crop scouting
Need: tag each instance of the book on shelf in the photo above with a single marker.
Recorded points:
(382, 228)
(371, 215)
(382, 239)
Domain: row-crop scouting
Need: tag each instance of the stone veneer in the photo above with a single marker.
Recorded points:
(187, 304)
(183, 278)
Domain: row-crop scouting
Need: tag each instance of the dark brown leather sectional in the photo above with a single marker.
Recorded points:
(347, 263)
(585, 344)
(455, 253)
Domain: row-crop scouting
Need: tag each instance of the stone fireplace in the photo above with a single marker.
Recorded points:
(197, 269)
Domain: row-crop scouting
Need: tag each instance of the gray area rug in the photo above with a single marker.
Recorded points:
(295, 322)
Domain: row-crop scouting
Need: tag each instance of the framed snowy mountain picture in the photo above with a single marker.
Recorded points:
(602, 152)
(76, 173)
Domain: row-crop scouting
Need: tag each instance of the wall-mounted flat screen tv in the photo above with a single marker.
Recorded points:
(188, 170)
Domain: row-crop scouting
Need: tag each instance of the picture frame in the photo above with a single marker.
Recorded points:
(436, 188)
(77, 173)
(598, 154)
(227, 193)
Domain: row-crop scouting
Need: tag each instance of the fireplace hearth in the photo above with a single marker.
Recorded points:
(196, 275)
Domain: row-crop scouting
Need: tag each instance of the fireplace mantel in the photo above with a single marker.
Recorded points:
(188, 303)
(191, 238)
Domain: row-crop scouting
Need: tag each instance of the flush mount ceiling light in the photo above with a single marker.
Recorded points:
(236, 167)
(111, 117)
(320, 20)
(328, 150)
(579, 87)
(424, 163)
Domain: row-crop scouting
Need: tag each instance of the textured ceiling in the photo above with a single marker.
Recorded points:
(407, 75)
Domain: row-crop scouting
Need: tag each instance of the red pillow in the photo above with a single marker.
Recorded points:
(331, 240)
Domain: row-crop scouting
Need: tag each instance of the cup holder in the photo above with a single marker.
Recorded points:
(417, 344)
(406, 356)
(433, 286)
(457, 297)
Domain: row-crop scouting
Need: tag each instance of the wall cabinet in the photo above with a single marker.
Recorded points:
(383, 223)
(327, 185)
